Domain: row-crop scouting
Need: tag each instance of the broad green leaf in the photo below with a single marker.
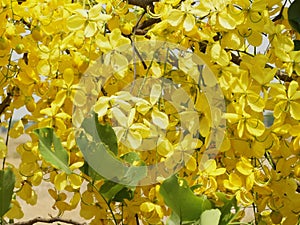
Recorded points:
(293, 15)
(228, 204)
(115, 192)
(125, 193)
(296, 45)
(101, 133)
(109, 189)
(210, 217)
(88, 170)
(180, 198)
(106, 164)
(57, 155)
(131, 157)
(99, 157)
(7, 183)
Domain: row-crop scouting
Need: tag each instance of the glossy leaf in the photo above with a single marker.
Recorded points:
(56, 155)
(7, 183)
(104, 162)
(115, 192)
(210, 217)
(226, 210)
(102, 133)
(296, 45)
(293, 15)
(183, 202)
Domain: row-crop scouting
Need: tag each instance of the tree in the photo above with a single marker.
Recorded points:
(152, 111)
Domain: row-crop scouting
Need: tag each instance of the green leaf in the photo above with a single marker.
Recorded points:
(226, 213)
(106, 164)
(55, 155)
(98, 156)
(294, 16)
(109, 189)
(131, 157)
(7, 183)
(115, 192)
(180, 198)
(296, 45)
(101, 133)
(118, 192)
(101, 150)
(125, 193)
(86, 169)
(210, 217)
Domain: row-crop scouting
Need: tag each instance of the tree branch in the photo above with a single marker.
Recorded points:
(142, 3)
(148, 23)
(5, 103)
(279, 16)
(279, 74)
(50, 220)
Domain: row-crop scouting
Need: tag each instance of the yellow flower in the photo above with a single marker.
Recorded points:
(286, 101)
(130, 132)
(151, 212)
(55, 118)
(185, 15)
(245, 122)
(69, 90)
(16, 211)
(92, 20)
(236, 184)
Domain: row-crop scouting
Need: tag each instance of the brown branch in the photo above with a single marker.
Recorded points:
(6, 102)
(50, 220)
(279, 16)
(279, 74)
(140, 32)
(148, 23)
(142, 3)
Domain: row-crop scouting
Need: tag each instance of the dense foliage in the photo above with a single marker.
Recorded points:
(103, 79)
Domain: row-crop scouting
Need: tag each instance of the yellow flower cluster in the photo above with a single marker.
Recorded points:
(168, 104)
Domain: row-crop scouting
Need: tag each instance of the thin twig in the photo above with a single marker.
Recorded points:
(5, 103)
(137, 219)
(279, 16)
(6, 141)
(148, 23)
(50, 220)
(279, 74)
(142, 3)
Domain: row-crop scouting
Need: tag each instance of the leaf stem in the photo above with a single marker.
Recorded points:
(107, 203)
(7, 138)
(137, 219)
(239, 223)
(50, 220)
